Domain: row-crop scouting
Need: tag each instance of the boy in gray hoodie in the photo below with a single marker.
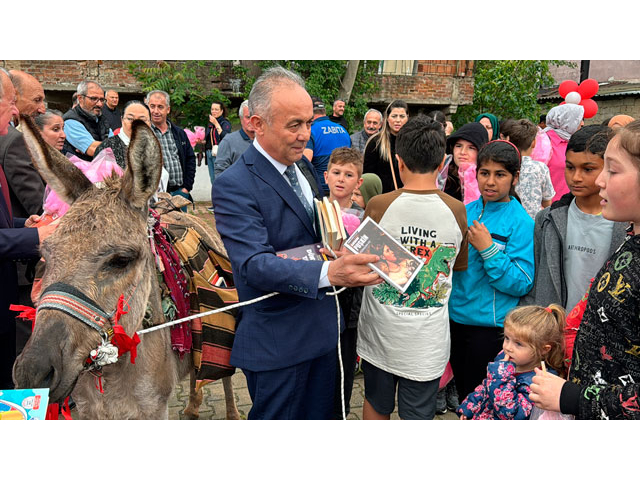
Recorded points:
(571, 238)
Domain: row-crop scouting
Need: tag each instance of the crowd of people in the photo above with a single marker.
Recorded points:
(529, 295)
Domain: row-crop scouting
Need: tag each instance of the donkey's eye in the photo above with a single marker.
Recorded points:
(120, 261)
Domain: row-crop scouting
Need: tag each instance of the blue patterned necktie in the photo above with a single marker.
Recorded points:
(293, 180)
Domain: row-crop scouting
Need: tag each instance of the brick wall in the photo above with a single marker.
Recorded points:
(437, 83)
(61, 77)
(65, 75)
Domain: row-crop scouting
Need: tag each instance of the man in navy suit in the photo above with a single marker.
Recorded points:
(285, 345)
(16, 243)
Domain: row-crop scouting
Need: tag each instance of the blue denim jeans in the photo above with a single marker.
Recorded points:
(211, 164)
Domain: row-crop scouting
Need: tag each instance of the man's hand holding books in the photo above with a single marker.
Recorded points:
(352, 270)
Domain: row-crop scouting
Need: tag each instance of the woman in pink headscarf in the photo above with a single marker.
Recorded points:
(562, 122)
(620, 121)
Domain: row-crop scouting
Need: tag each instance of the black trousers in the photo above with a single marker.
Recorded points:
(7, 354)
(472, 348)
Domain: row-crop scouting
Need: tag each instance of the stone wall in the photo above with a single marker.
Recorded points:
(611, 106)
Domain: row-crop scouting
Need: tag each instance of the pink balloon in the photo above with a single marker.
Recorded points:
(588, 88)
(590, 107)
(566, 87)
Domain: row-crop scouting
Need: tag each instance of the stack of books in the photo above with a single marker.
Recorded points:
(329, 221)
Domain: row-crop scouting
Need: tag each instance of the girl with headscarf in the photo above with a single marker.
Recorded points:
(562, 122)
(490, 122)
(620, 121)
(371, 186)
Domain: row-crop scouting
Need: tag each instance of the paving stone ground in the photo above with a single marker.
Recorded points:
(213, 407)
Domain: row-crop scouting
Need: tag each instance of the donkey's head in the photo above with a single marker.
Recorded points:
(100, 251)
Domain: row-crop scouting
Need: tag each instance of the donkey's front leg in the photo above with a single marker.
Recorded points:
(191, 412)
(230, 399)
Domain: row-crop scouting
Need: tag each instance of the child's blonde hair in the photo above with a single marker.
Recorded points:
(538, 327)
(345, 156)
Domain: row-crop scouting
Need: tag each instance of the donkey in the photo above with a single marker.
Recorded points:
(100, 250)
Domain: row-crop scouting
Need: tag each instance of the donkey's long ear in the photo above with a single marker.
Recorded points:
(144, 166)
(62, 176)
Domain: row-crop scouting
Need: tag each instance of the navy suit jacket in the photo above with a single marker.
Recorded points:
(258, 214)
(15, 244)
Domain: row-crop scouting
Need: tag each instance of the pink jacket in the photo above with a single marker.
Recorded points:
(556, 164)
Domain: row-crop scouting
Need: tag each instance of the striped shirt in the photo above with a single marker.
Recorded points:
(170, 156)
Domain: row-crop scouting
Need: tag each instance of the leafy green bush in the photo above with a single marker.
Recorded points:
(183, 81)
(508, 89)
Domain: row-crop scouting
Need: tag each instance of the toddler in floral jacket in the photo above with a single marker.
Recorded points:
(532, 335)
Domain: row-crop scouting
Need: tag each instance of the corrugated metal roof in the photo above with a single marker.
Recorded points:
(609, 89)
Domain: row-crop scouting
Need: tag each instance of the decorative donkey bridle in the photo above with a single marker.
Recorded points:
(115, 342)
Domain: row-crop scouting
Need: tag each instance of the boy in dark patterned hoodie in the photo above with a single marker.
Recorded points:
(603, 380)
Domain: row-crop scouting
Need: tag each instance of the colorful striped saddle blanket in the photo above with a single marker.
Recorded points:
(210, 284)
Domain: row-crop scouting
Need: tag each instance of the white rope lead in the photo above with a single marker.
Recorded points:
(256, 300)
(344, 414)
(213, 312)
(204, 314)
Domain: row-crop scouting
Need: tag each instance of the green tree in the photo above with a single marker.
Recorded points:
(322, 79)
(183, 81)
(508, 89)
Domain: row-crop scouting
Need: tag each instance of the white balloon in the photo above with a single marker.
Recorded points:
(573, 97)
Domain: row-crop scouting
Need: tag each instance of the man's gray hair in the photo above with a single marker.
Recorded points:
(83, 87)
(158, 92)
(373, 110)
(17, 81)
(2, 70)
(263, 88)
(242, 105)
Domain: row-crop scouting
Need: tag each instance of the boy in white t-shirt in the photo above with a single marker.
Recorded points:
(534, 185)
(403, 338)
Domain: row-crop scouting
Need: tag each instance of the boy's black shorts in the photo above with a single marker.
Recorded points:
(416, 400)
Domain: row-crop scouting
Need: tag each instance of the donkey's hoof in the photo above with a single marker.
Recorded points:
(190, 414)
(235, 415)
